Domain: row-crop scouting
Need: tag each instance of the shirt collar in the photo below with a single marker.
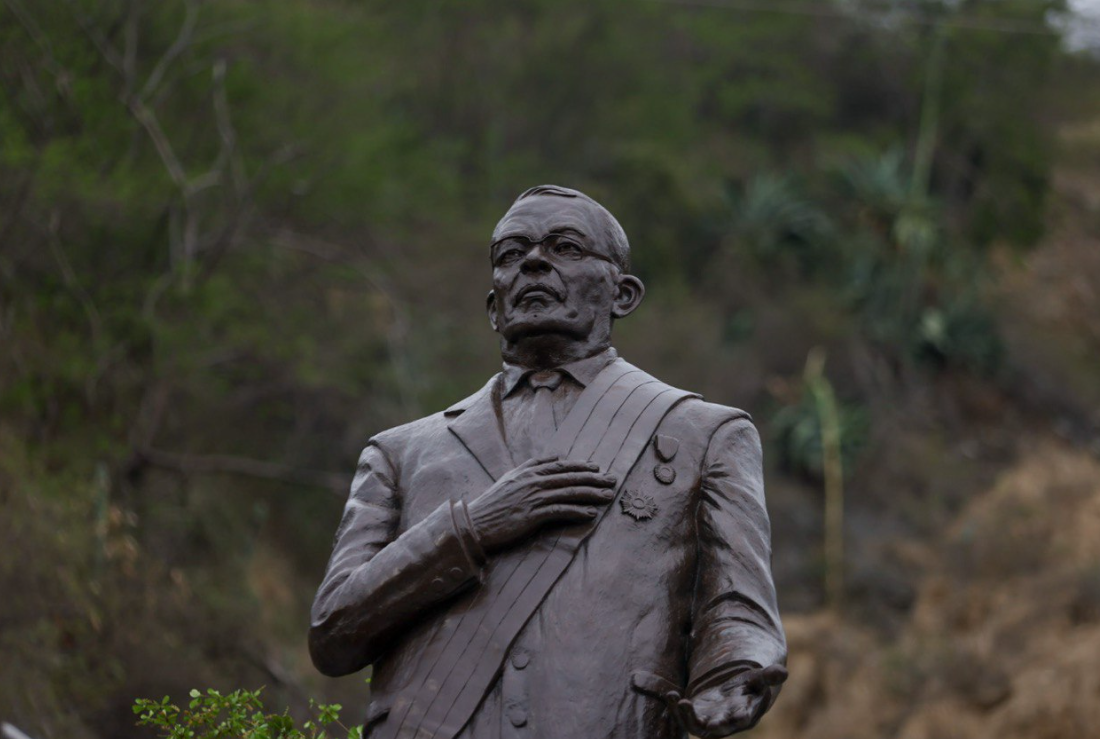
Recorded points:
(583, 371)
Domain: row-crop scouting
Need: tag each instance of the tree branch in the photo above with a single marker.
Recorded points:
(183, 40)
(398, 324)
(130, 44)
(229, 155)
(95, 321)
(188, 219)
(149, 122)
(40, 39)
(226, 464)
(98, 39)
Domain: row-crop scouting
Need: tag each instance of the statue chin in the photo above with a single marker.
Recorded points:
(550, 325)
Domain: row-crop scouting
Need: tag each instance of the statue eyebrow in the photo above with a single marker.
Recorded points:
(562, 231)
(567, 231)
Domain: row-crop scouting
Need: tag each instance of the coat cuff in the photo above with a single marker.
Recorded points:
(453, 564)
(464, 528)
(718, 675)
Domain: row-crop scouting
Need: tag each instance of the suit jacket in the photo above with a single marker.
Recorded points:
(671, 591)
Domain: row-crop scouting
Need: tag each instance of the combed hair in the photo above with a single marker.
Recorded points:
(613, 234)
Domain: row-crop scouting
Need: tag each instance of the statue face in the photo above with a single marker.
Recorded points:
(551, 272)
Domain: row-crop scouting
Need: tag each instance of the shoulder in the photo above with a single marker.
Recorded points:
(709, 417)
(702, 424)
(693, 409)
(707, 427)
(703, 418)
(402, 435)
(427, 429)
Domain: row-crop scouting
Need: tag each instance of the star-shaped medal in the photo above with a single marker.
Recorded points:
(638, 506)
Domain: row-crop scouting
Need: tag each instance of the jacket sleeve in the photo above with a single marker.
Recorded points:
(736, 620)
(378, 581)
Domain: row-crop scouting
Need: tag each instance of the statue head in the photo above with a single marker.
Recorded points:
(560, 277)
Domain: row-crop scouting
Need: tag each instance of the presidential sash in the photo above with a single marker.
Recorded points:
(610, 424)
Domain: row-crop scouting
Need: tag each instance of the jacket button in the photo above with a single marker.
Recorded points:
(457, 574)
(520, 660)
(518, 717)
(438, 585)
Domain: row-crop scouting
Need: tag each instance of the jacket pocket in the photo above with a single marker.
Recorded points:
(652, 684)
(653, 713)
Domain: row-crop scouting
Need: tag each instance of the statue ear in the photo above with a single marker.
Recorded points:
(628, 296)
(491, 309)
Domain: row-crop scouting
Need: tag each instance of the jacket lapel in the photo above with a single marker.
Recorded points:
(477, 425)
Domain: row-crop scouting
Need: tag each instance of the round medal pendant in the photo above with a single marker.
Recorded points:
(664, 474)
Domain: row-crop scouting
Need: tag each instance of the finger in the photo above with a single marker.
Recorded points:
(572, 479)
(537, 462)
(576, 495)
(775, 675)
(761, 680)
(689, 718)
(554, 466)
(733, 717)
(564, 512)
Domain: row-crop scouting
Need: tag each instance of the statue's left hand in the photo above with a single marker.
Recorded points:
(732, 706)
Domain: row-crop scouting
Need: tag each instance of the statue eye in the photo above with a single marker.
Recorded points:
(568, 250)
(509, 256)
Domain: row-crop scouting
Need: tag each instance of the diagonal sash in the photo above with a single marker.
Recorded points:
(610, 424)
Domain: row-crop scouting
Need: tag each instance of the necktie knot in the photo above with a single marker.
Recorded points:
(545, 379)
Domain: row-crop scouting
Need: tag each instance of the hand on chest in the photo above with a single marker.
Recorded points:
(657, 493)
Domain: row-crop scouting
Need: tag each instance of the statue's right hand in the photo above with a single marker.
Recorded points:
(538, 492)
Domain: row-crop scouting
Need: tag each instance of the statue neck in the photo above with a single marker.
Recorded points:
(548, 351)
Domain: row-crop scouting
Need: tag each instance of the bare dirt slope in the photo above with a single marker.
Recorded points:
(1004, 640)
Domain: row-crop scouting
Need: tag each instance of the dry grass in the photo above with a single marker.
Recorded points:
(1002, 643)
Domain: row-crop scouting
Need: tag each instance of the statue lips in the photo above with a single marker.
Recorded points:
(537, 291)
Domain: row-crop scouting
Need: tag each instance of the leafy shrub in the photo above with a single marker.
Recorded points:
(797, 431)
(910, 283)
(774, 221)
(237, 715)
(962, 332)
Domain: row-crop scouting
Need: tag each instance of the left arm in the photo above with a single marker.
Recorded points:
(738, 647)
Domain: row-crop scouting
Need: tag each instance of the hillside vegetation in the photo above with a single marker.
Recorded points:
(237, 237)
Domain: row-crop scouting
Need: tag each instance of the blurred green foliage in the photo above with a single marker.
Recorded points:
(236, 715)
(797, 432)
(237, 238)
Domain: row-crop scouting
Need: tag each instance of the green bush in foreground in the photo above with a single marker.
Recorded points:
(238, 715)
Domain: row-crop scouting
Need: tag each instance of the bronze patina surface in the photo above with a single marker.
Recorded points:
(577, 550)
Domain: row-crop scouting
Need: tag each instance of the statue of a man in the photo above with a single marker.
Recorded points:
(577, 550)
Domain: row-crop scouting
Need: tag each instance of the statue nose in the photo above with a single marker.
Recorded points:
(535, 260)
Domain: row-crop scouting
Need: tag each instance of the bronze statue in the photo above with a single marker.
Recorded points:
(575, 551)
